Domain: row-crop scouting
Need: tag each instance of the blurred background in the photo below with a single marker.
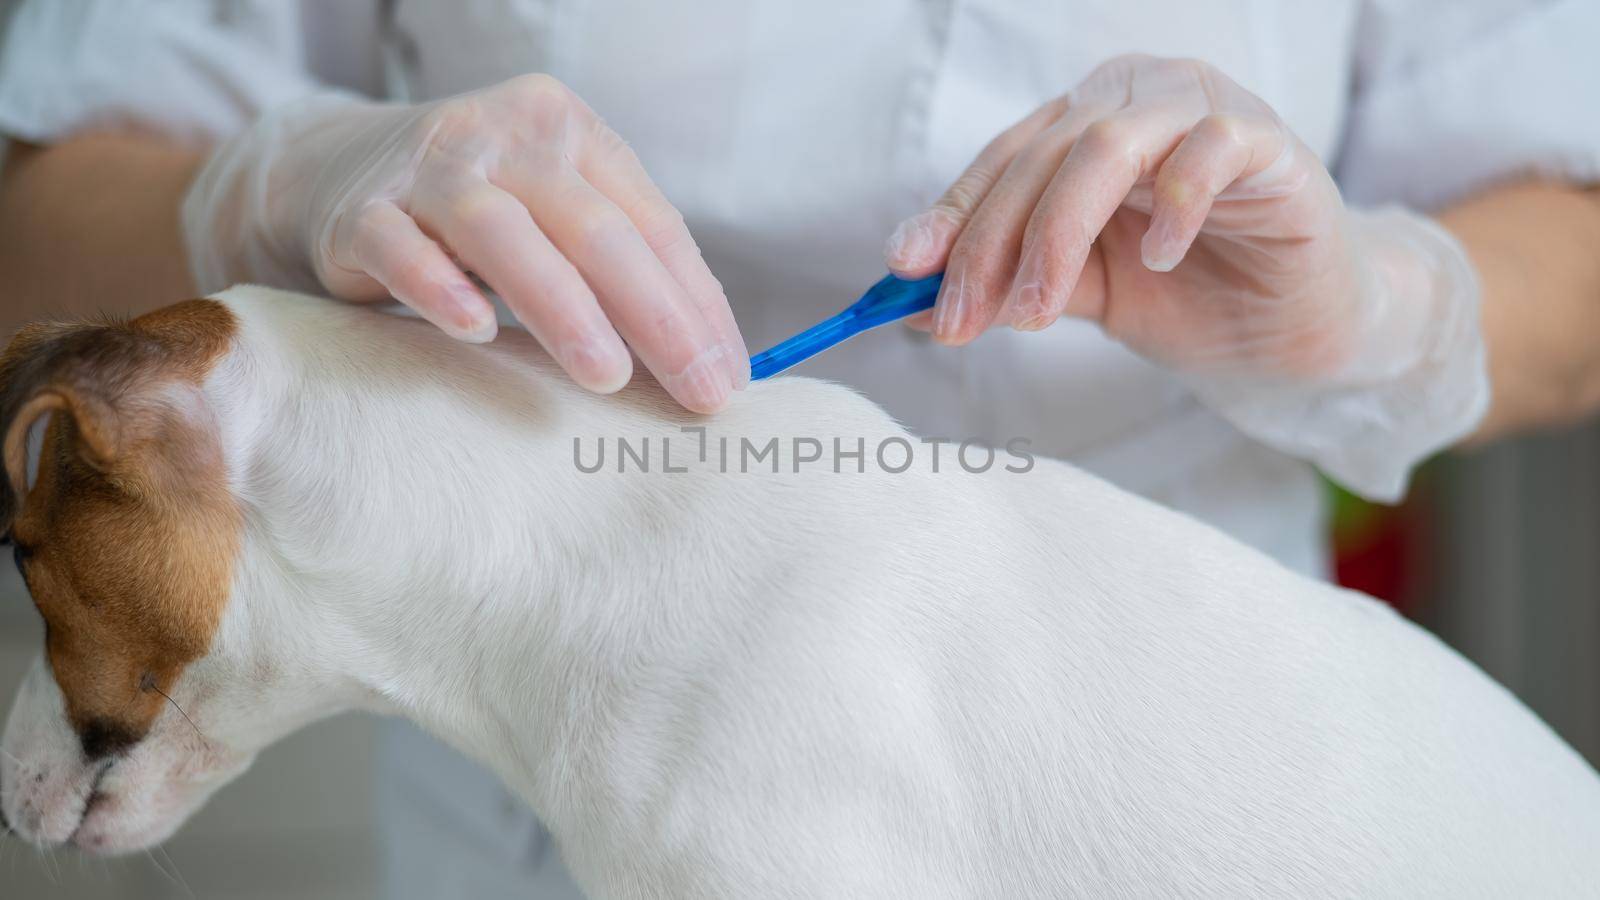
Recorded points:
(1497, 551)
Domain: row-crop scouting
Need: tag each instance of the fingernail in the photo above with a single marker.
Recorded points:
(472, 319)
(597, 366)
(704, 384)
(952, 311)
(1026, 302)
(483, 332)
(738, 366)
(910, 242)
(1156, 248)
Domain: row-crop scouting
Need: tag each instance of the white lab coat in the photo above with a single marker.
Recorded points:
(794, 135)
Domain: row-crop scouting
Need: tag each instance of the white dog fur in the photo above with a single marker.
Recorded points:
(813, 684)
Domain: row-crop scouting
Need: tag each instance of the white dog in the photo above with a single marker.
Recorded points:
(711, 679)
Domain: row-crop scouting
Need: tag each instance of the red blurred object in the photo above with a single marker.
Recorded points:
(1381, 550)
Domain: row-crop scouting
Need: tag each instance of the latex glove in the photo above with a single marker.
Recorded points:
(520, 184)
(1173, 207)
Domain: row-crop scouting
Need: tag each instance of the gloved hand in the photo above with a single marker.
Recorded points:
(520, 183)
(1173, 207)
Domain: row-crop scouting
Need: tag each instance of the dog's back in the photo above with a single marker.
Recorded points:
(1037, 685)
(1024, 685)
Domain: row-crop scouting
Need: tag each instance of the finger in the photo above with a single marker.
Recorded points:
(1088, 299)
(387, 246)
(1106, 161)
(615, 171)
(649, 308)
(920, 245)
(922, 321)
(984, 259)
(492, 233)
(1217, 153)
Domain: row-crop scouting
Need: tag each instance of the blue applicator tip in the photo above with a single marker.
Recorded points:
(890, 299)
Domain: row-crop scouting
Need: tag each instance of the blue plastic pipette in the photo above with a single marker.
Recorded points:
(890, 299)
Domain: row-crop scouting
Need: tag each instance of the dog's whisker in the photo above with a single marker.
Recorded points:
(175, 876)
(150, 855)
(197, 731)
(182, 881)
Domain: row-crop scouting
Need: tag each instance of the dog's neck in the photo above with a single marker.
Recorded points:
(418, 503)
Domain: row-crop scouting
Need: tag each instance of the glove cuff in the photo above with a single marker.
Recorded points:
(1417, 383)
(239, 214)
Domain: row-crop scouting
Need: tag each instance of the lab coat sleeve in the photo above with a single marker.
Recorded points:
(1452, 97)
(195, 70)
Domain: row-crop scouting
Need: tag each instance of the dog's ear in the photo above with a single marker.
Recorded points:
(82, 372)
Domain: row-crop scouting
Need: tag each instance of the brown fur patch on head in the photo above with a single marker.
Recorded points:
(126, 537)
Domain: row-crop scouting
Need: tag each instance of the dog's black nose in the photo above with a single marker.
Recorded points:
(103, 737)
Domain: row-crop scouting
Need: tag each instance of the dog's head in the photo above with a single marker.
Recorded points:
(117, 507)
